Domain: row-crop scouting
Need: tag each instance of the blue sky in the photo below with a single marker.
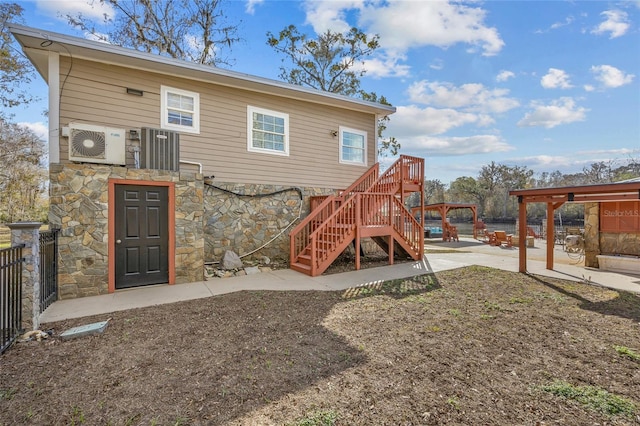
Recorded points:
(551, 85)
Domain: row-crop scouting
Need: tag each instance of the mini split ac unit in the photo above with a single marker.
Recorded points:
(89, 143)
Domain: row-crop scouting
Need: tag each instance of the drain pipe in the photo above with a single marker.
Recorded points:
(193, 163)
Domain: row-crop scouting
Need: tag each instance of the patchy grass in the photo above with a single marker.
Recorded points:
(318, 418)
(593, 397)
(628, 353)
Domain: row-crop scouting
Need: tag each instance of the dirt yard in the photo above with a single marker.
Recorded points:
(473, 346)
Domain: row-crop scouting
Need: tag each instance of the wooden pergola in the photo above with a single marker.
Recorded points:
(443, 209)
(555, 198)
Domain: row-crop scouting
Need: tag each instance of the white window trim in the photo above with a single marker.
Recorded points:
(250, 147)
(357, 132)
(164, 91)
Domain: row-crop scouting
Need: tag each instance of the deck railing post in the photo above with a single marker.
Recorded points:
(28, 233)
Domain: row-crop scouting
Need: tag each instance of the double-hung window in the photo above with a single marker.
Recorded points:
(267, 131)
(180, 110)
(353, 146)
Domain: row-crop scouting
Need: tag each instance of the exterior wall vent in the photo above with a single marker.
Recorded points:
(159, 149)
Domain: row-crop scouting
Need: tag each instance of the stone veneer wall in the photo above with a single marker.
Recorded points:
(591, 234)
(625, 243)
(244, 223)
(28, 233)
(79, 206)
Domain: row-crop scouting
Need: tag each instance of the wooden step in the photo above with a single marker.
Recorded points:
(299, 267)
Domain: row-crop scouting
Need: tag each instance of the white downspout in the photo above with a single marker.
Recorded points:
(54, 107)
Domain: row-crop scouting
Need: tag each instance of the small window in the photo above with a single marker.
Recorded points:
(353, 146)
(267, 131)
(180, 110)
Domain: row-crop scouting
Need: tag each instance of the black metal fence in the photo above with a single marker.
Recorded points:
(48, 268)
(10, 295)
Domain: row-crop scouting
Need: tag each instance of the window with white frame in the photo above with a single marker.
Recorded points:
(180, 110)
(267, 131)
(353, 146)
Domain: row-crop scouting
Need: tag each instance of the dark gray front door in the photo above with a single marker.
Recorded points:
(141, 235)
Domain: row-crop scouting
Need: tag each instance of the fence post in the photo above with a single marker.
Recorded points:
(28, 233)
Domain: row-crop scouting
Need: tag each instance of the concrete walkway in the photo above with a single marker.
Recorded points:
(440, 256)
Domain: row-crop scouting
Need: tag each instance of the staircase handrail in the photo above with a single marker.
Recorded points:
(340, 219)
(406, 225)
(299, 236)
(363, 183)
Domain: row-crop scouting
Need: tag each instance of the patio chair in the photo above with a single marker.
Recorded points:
(450, 233)
(532, 233)
(502, 238)
(481, 229)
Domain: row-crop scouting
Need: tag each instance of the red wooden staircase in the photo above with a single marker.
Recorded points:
(373, 206)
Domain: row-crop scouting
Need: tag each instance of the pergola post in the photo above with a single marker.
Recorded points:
(551, 235)
(522, 231)
(443, 218)
(474, 211)
(422, 216)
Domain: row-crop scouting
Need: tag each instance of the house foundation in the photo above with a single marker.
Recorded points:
(252, 220)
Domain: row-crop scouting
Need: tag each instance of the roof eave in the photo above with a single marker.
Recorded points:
(33, 40)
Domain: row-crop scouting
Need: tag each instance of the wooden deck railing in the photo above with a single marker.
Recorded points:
(332, 236)
(406, 169)
(369, 202)
(300, 235)
(405, 224)
(364, 182)
(316, 200)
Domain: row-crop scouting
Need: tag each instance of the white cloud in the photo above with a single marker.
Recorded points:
(437, 64)
(383, 67)
(589, 88)
(560, 111)
(556, 79)
(403, 25)
(504, 75)
(329, 15)
(90, 9)
(551, 163)
(40, 128)
(611, 77)
(567, 164)
(250, 7)
(616, 23)
(568, 21)
(411, 120)
(618, 152)
(471, 97)
(428, 146)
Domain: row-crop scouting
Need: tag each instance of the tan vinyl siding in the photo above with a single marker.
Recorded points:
(96, 93)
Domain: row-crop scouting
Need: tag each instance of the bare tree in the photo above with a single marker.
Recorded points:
(331, 63)
(23, 174)
(434, 191)
(15, 70)
(191, 30)
(600, 172)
